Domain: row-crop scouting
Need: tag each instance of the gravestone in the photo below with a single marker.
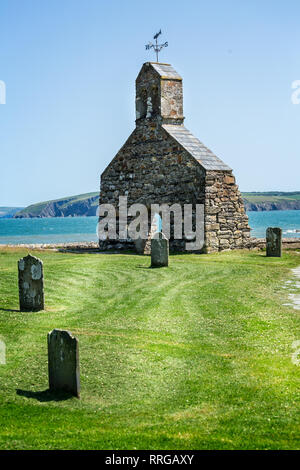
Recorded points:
(2, 352)
(31, 284)
(274, 241)
(63, 362)
(159, 250)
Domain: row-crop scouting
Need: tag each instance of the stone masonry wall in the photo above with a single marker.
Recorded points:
(153, 168)
(171, 100)
(226, 222)
(158, 98)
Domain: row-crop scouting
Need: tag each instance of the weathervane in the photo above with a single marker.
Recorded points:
(156, 47)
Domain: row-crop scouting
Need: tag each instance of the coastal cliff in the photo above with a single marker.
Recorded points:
(85, 205)
(271, 206)
(272, 201)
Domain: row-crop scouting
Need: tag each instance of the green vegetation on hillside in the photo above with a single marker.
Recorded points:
(194, 356)
(82, 204)
(86, 204)
(275, 196)
(273, 200)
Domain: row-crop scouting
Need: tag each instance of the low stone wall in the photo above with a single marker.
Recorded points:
(75, 246)
(91, 247)
(260, 243)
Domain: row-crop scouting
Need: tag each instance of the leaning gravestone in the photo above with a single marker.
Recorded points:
(159, 250)
(274, 241)
(63, 362)
(31, 284)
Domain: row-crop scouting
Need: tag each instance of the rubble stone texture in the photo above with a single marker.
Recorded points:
(63, 362)
(162, 162)
(274, 241)
(144, 246)
(31, 284)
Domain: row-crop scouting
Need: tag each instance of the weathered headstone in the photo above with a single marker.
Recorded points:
(159, 250)
(2, 352)
(31, 284)
(274, 241)
(63, 362)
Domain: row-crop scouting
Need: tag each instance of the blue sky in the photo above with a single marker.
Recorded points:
(70, 68)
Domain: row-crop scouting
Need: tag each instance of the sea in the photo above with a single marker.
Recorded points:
(83, 229)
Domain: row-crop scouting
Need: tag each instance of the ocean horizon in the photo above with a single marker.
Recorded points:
(83, 229)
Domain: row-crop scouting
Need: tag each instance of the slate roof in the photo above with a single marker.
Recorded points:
(202, 154)
(166, 71)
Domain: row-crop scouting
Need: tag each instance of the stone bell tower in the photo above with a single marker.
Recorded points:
(159, 94)
(162, 162)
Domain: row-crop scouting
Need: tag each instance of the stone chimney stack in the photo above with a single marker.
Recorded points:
(159, 95)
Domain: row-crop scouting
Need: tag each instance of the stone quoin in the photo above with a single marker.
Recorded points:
(162, 162)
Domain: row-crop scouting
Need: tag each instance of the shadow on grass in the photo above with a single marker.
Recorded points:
(8, 310)
(151, 267)
(95, 251)
(20, 311)
(45, 395)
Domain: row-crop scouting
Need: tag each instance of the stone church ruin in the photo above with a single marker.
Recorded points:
(162, 162)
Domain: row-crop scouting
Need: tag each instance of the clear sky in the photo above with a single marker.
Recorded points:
(70, 66)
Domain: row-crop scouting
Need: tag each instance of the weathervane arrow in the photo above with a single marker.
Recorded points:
(157, 47)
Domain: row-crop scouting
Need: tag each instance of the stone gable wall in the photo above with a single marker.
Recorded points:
(152, 168)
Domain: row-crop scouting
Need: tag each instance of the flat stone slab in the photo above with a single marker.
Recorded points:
(296, 272)
(295, 298)
(294, 286)
(63, 362)
(31, 284)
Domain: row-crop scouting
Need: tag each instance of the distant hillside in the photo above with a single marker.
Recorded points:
(269, 201)
(86, 204)
(73, 206)
(8, 212)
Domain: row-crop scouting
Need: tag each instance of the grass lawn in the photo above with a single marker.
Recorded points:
(194, 356)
